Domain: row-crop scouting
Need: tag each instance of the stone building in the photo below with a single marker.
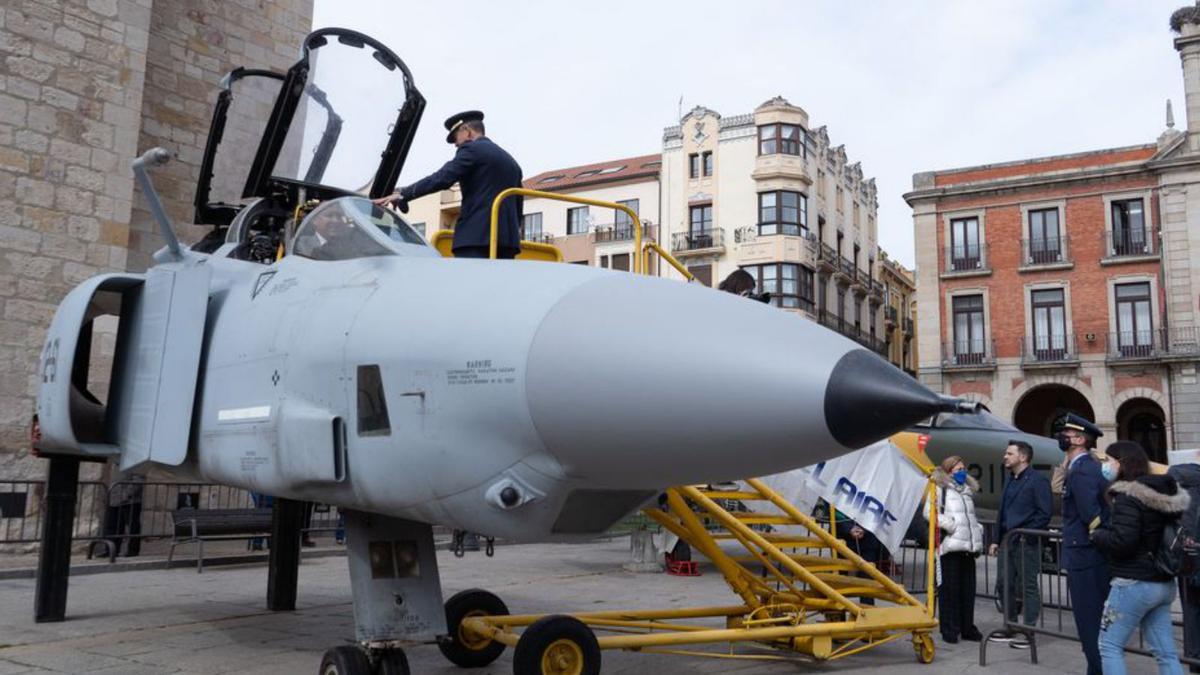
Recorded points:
(1072, 281)
(85, 86)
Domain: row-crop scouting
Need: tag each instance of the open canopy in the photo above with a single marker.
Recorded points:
(348, 99)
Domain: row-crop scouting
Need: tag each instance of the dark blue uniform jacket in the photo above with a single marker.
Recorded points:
(1083, 502)
(483, 170)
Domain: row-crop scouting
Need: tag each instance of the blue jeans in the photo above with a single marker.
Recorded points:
(1132, 604)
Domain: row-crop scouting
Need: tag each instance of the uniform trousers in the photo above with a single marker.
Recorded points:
(1088, 588)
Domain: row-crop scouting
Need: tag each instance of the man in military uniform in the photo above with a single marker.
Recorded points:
(483, 170)
(1084, 509)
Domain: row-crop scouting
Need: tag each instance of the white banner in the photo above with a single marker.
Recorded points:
(876, 486)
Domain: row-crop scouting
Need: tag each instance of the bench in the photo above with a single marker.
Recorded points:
(196, 526)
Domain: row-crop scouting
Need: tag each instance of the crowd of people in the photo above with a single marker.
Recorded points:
(1115, 509)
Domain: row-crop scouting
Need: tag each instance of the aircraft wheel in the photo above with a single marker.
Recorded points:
(923, 644)
(557, 645)
(392, 662)
(345, 660)
(463, 648)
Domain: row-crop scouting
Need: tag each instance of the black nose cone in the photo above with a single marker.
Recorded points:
(868, 399)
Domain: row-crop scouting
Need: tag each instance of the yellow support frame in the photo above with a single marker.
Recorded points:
(798, 604)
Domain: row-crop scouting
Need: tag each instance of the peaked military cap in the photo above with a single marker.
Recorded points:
(1079, 423)
(455, 121)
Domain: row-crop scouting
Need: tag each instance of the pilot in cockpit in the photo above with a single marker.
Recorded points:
(330, 233)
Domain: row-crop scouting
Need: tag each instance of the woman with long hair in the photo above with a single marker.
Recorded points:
(962, 543)
(1141, 594)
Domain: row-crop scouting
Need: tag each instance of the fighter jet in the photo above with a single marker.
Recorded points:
(526, 400)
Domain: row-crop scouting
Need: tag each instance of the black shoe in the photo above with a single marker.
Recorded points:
(1019, 641)
(1003, 636)
(973, 636)
(949, 639)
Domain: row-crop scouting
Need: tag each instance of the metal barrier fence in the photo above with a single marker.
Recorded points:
(130, 510)
(1056, 618)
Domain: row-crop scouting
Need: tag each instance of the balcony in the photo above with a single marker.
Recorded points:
(698, 242)
(908, 326)
(969, 355)
(541, 238)
(1154, 345)
(1121, 246)
(1048, 351)
(1050, 253)
(829, 320)
(844, 273)
(863, 279)
(623, 232)
(756, 249)
(890, 316)
(827, 258)
(877, 290)
(965, 260)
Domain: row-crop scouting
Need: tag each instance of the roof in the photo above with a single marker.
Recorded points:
(1044, 165)
(643, 166)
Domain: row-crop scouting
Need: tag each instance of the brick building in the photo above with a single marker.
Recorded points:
(84, 87)
(1071, 282)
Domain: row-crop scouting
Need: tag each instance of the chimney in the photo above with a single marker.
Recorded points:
(1186, 24)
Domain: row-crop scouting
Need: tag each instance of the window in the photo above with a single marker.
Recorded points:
(703, 273)
(855, 259)
(1049, 324)
(964, 244)
(604, 261)
(782, 212)
(969, 346)
(372, 407)
(1135, 330)
(419, 227)
(786, 139)
(622, 223)
(708, 163)
(874, 323)
(620, 261)
(551, 179)
(693, 165)
(700, 222)
(577, 220)
(586, 174)
(790, 285)
(613, 169)
(1129, 228)
(823, 293)
(858, 314)
(841, 304)
(531, 226)
(1045, 244)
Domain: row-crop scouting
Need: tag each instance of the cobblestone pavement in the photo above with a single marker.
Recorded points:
(176, 621)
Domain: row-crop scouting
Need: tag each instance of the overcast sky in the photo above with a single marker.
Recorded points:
(906, 86)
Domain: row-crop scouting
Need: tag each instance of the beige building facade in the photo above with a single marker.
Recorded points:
(899, 313)
(767, 193)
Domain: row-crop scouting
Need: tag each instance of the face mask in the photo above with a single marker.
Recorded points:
(1064, 443)
(1108, 471)
(960, 477)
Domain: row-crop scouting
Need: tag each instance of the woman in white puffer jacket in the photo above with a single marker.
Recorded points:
(962, 542)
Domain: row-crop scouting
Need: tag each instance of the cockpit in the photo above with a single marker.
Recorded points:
(281, 141)
(353, 227)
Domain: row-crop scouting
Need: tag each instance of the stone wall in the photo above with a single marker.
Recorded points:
(85, 85)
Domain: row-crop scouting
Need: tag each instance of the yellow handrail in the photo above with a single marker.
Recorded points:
(524, 192)
(653, 246)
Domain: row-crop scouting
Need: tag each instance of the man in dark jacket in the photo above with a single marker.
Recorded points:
(1188, 478)
(483, 170)
(1084, 510)
(1025, 504)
